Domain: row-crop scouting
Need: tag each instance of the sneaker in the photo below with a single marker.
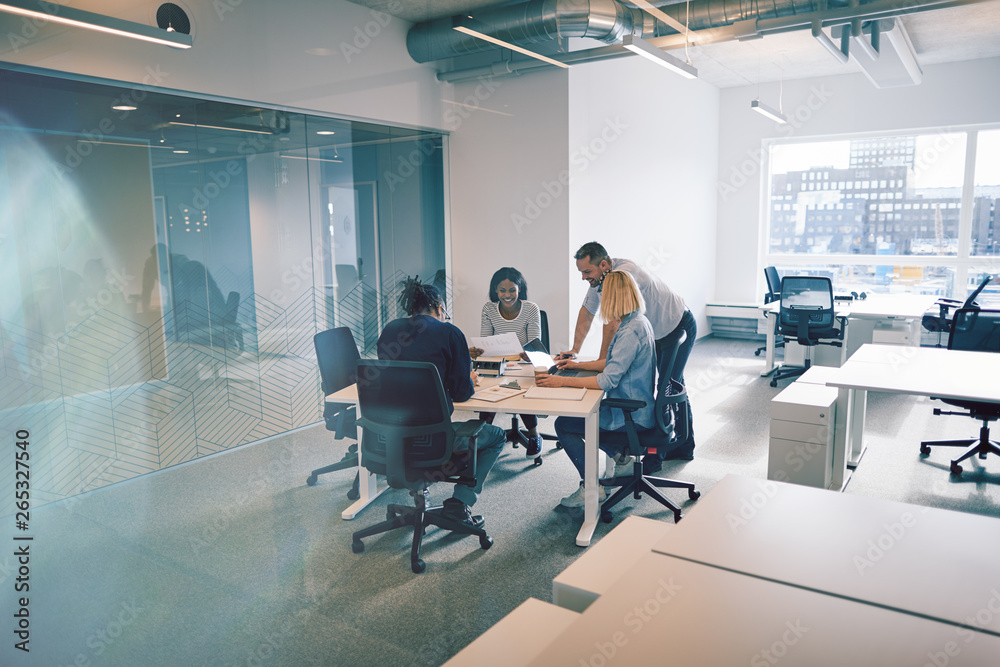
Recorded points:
(624, 465)
(575, 499)
(533, 448)
(651, 463)
(457, 511)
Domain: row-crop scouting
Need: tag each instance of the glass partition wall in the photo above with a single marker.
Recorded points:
(166, 261)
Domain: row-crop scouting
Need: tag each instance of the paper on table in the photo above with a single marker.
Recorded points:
(498, 346)
(564, 393)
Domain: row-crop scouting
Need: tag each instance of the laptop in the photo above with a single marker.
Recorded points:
(545, 360)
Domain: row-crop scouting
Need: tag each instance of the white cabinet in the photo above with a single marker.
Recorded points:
(802, 433)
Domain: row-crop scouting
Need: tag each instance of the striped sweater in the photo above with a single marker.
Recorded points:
(527, 325)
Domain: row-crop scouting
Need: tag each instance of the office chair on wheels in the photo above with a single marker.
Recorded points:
(515, 435)
(807, 315)
(408, 436)
(971, 329)
(337, 355)
(773, 294)
(670, 428)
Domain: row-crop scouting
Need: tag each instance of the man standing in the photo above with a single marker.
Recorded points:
(665, 310)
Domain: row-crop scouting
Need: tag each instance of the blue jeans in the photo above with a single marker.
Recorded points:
(689, 326)
(570, 431)
(489, 444)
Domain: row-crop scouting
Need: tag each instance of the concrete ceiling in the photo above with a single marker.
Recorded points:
(946, 35)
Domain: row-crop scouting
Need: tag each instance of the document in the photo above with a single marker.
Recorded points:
(501, 345)
(497, 393)
(561, 393)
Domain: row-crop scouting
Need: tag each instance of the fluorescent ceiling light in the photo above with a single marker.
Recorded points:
(665, 18)
(768, 112)
(648, 51)
(464, 25)
(82, 19)
(325, 132)
(220, 127)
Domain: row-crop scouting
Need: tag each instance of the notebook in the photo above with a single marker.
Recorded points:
(560, 393)
(497, 393)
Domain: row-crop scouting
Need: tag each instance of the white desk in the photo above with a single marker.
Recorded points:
(666, 610)
(587, 408)
(932, 563)
(863, 319)
(922, 371)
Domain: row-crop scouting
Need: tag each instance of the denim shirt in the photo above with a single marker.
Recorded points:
(629, 372)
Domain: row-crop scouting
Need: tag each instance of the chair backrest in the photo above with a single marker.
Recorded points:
(408, 434)
(806, 308)
(545, 329)
(337, 354)
(975, 329)
(773, 284)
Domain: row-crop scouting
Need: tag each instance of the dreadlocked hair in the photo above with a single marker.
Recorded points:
(417, 298)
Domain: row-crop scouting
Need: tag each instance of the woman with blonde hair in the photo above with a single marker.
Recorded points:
(628, 371)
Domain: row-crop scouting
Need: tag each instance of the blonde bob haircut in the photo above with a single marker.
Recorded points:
(619, 296)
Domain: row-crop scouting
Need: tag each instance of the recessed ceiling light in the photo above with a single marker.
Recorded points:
(124, 107)
(180, 152)
(325, 132)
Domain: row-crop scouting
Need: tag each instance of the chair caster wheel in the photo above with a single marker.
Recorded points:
(956, 469)
(311, 480)
(357, 546)
(774, 383)
(694, 495)
(677, 517)
(558, 445)
(418, 566)
(925, 450)
(756, 353)
(485, 542)
(606, 516)
(538, 461)
(389, 515)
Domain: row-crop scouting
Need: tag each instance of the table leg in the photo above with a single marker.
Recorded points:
(770, 337)
(857, 429)
(591, 507)
(367, 488)
(850, 425)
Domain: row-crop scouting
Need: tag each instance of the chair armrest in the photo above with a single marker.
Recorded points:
(469, 429)
(626, 404)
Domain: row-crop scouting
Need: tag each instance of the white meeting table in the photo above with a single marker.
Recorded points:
(932, 563)
(586, 408)
(669, 611)
(902, 369)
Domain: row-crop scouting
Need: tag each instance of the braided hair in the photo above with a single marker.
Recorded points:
(417, 298)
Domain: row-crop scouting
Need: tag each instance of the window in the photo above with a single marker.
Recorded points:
(899, 196)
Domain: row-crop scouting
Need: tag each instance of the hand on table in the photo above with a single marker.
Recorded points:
(546, 380)
(569, 354)
(566, 363)
(474, 376)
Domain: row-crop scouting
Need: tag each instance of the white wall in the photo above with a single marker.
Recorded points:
(951, 94)
(643, 155)
(253, 50)
(508, 150)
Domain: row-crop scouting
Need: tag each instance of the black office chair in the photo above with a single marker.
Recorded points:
(338, 356)
(515, 435)
(971, 329)
(938, 319)
(773, 294)
(670, 428)
(807, 315)
(408, 436)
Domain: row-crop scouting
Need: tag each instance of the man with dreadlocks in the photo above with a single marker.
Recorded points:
(426, 335)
